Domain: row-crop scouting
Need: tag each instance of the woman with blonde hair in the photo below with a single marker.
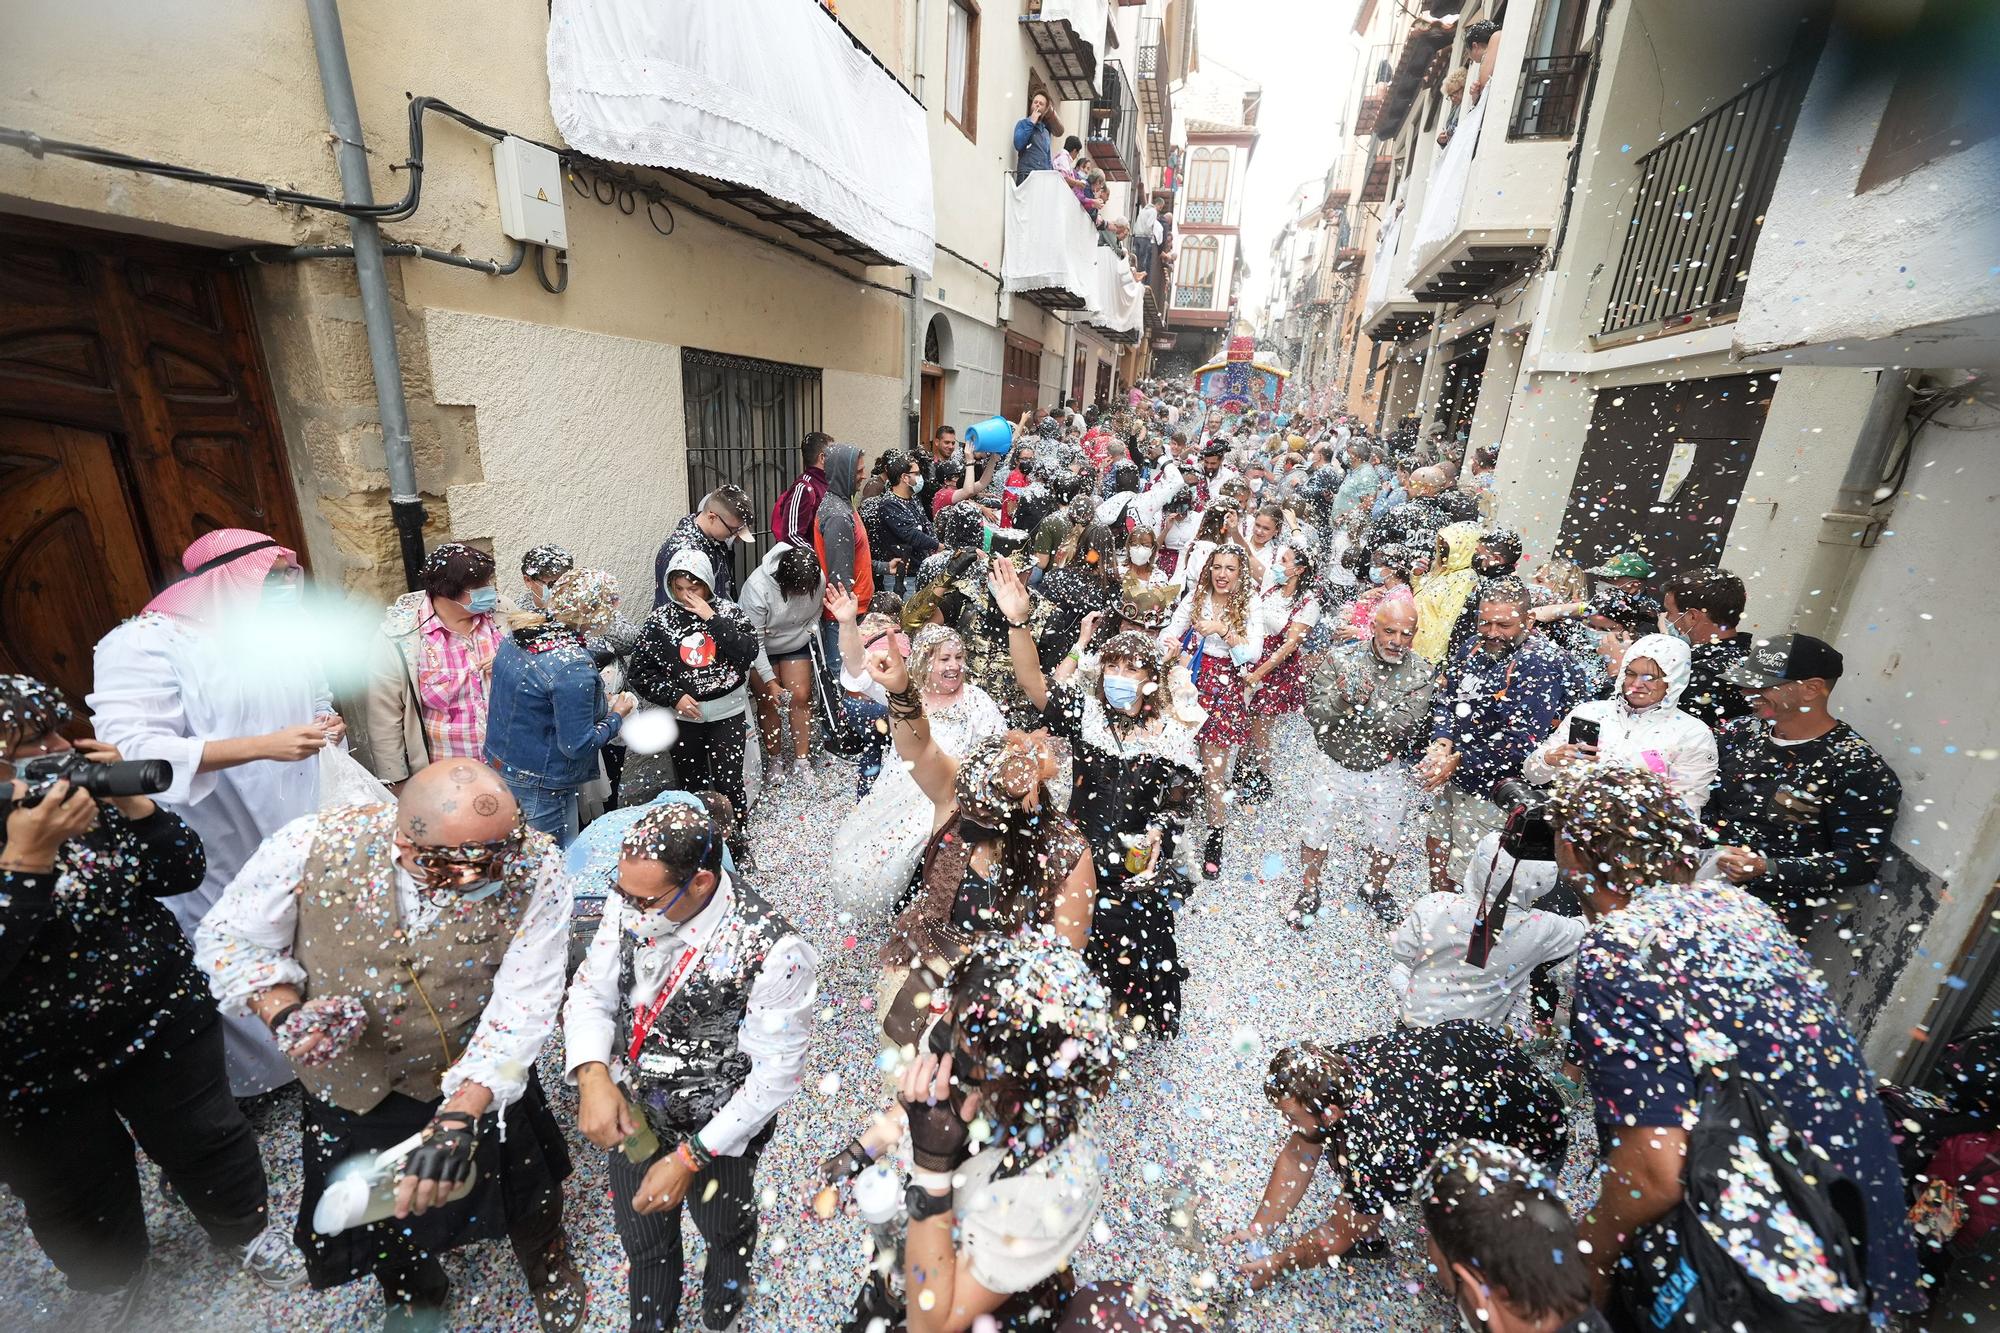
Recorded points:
(875, 849)
(1217, 627)
(547, 716)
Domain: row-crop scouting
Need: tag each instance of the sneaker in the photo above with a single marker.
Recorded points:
(274, 1261)
(106, 1311)
(1252, 785)
(802, 771)
(1305, 908)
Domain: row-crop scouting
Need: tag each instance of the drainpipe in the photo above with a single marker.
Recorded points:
(1854, 525)
(337, 87)
(913, 400)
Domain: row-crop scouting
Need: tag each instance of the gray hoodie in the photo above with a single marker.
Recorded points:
(836, 512)
(783, 624)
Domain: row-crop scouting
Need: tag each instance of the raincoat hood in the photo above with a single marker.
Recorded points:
(1674, 659)
(1442, 593)
(1460, 540)
(842, 464)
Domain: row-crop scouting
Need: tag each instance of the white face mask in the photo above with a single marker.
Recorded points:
(1141, 555)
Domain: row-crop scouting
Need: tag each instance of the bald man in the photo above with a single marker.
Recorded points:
(409, 958)
(1368, 703)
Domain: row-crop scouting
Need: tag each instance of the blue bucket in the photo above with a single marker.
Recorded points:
(995, 435)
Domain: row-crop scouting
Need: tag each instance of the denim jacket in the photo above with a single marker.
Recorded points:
(547, 716)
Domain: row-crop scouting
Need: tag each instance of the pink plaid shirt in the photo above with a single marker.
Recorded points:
(454, 676)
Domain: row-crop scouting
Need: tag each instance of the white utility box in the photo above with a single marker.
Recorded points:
(531, 193)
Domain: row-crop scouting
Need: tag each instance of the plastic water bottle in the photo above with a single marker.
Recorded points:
(878, 1198)
(363, 1189)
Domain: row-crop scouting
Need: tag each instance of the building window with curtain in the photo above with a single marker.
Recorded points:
(1208, 185)
(961, 66)
(1194, 285)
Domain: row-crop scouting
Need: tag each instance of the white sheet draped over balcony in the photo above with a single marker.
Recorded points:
(1444, 196)
(1384, 281)
(1086, 18)
(1120, 305)
(1051, 242)
(767, 94)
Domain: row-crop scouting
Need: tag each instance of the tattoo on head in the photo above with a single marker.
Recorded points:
(486, 804)
(463, 773)
(450, 807)
(418, 827)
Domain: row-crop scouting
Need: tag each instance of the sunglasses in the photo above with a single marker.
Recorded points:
(465, 862)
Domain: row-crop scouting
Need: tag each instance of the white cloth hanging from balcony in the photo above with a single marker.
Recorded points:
(1051, 242)
(1120, 306)
(1086, 18)
(1382, 279)
(1444, 196)
(767, 94)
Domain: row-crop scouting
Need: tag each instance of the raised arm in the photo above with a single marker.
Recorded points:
(1011, 596)
(934, 770)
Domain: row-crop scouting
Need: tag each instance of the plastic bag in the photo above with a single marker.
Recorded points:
(343, 781)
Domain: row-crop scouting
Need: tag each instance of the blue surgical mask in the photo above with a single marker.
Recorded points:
(486, 889)
(1121, 692)
(1378, 575)
(1670, 629)
(483, 601)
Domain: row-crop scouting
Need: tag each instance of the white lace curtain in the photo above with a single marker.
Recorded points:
(1445, 195)
(768, 94)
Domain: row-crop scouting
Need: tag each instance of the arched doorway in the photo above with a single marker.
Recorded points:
(939, 362)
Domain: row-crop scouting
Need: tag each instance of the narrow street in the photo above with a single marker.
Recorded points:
(1186, 1121)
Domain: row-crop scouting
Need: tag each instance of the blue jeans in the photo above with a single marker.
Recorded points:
(829, 642)
(553, 812)
(866, 716)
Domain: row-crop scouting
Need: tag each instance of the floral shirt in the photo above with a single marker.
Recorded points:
(454, 677)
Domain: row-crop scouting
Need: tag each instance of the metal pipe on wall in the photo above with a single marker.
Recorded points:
(350, 152)
(1852, 527)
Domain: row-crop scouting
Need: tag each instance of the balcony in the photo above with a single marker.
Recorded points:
(1425, 39)
(1051, 244)
(1550, 95)
(1369, 114)
(1114, 127)
(1155, 101)
(1067, 34)
(1700, 205)
(1375, 186)
(1118, 308)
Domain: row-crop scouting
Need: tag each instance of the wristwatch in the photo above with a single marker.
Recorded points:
(922, 1205)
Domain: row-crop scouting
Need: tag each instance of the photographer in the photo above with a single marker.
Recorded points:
(991, 1231)
(129, 1048)
(1676, 977)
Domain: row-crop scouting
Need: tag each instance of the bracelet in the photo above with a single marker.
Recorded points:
(906, 705)
(686, 1152)
(930, 1180)
(1019, 624)
(278, 1019)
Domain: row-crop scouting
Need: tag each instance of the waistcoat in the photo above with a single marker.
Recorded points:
(690, 1064)
(424, 995)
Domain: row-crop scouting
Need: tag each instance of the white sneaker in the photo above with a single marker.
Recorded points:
(802, 770)
(274, 1261)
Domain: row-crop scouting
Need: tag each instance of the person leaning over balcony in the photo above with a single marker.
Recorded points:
(1480, 53)
(1032, 150)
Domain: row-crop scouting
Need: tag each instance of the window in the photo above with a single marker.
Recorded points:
(961, 66)
(1194, 281)
(745, 419)
(1208, 185)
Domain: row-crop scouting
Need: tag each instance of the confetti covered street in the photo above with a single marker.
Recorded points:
(1185, 1129)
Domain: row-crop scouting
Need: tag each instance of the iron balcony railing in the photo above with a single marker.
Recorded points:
(1202, 211)
(1114, 127)
(1551, 92)
(1700, 205)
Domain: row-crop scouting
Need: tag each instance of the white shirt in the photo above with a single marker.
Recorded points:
(1275, 609)
(1146, 507)
(1020, 1231)
(1676, 745)
(1433, 982)
(777, 1021)
(245, 946)
(1214, 645)
(162, 689)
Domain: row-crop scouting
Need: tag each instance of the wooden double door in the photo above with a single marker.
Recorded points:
(134, 417)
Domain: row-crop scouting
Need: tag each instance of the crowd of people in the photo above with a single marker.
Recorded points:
(1059, 676)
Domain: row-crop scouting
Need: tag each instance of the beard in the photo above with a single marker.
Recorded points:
(1499, 647)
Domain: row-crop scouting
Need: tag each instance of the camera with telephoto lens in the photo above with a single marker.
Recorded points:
(1528, 835)
(130, 777)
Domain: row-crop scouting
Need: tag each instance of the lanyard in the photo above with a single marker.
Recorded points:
(643, 1020)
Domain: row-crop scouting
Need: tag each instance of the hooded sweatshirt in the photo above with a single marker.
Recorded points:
(782, 624)
(1662, 738)
(1442, 593)
(680, 653)
(838, 536)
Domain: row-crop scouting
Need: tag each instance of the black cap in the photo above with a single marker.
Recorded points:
(1787, 657)
(1214, 449)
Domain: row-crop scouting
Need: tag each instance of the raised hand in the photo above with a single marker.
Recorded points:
(1009, 593)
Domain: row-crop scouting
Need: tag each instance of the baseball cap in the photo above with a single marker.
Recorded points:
(1626, 565)
(1786, 657)
(1214, 449)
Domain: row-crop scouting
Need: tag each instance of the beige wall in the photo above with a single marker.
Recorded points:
(234, 89)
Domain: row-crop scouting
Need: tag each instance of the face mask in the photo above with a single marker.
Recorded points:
(483, 601)
(1378, 576)
(286, 594)
(1142, 555)
(1673, 631)
(483, 889)
(1121, 692)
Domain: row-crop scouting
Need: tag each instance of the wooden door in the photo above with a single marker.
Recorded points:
(1663, 469)
(930, 407)
(133, 418)
(1021, 382)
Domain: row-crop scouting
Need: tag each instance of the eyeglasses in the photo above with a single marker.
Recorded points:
(465, 862)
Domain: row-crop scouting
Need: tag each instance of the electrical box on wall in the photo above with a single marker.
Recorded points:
(531, 192)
